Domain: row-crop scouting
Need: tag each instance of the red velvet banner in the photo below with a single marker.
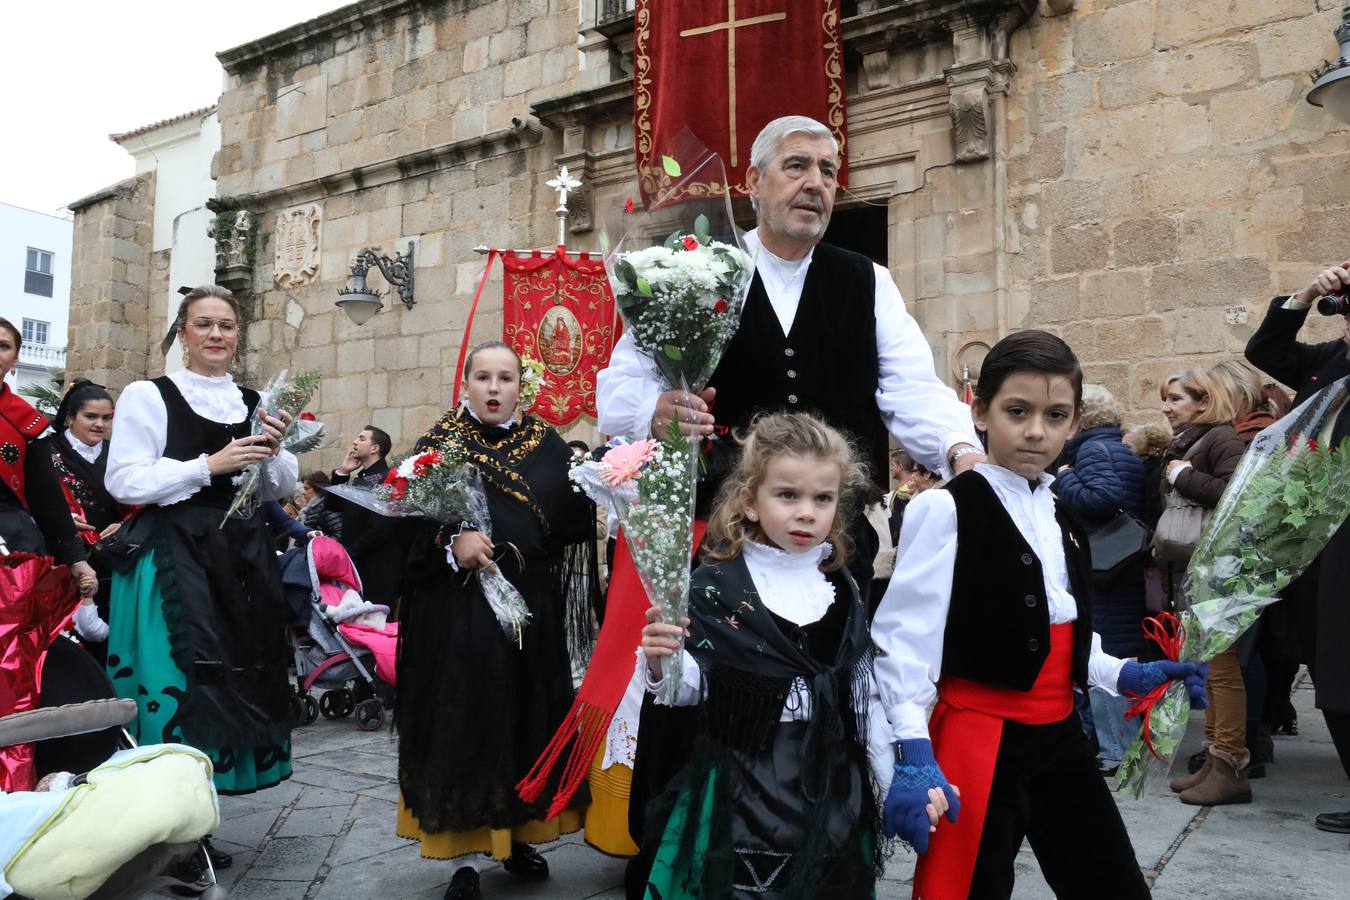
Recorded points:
(559, 310)
(726, 68)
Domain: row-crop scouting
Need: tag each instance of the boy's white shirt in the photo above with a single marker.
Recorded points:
(910, 623)
(792, 586)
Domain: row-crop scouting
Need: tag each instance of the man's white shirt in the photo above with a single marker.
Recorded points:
(919, 410)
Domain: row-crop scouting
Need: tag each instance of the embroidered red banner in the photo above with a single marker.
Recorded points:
(725, 69)
(559, 310)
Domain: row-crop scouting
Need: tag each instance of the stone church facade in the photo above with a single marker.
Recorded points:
(1139, 176)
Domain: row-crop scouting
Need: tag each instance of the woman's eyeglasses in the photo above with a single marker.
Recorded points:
(204, 325)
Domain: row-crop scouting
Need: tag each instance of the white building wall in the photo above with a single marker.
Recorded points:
(20, 229)
(180, 156)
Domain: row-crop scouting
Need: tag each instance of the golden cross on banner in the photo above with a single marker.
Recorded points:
(730, 26)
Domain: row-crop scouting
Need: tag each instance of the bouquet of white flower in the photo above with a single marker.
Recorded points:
(648, 484)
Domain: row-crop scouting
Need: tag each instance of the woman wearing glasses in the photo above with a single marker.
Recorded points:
(197, 632)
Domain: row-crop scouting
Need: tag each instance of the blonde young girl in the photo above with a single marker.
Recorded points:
(776, 797)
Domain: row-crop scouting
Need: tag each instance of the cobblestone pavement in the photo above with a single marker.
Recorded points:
(328, 834)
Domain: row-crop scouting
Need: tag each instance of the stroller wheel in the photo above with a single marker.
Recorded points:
(369, 715)
(297, 711)
(336, 704)
(311, 710)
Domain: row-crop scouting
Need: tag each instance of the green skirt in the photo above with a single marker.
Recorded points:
(143, 670)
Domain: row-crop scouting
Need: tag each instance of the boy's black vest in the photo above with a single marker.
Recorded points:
(998, 626)
(827, 364)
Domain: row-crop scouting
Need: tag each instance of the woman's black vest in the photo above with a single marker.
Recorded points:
(998, 626)
(191, 435)
(827, 364)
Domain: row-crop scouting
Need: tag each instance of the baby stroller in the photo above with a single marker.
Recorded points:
(80, 730)
(332, 649)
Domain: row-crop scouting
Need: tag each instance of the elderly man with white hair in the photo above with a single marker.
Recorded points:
(824, 330)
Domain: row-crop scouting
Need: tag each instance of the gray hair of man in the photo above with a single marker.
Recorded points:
(771, 136)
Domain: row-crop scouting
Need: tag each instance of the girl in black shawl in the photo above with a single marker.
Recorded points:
(475, 709)
(777, 797)
(79, 453)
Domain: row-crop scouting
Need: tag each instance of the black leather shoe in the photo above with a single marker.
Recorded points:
(1337, 822)
(464, 885)
(526, 863)
(219, 858)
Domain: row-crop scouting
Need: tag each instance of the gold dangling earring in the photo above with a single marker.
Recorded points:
(185, 356)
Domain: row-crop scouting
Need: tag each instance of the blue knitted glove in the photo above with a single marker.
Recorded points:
(1138, 679)
(916, 771)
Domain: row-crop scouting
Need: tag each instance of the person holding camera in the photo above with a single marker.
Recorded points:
(1317, 598)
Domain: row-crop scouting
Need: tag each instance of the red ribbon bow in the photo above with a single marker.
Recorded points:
(1165, 630)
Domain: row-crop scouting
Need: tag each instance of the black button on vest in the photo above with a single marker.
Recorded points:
(834, 370)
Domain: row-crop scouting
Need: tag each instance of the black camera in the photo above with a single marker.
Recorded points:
(1335, 304)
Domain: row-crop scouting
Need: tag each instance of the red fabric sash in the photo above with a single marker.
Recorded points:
(611, 669)
(19, 424)
(966, 729)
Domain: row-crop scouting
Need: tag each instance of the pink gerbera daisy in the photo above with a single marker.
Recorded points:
(623, 462)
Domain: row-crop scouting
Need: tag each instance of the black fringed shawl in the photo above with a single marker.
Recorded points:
(752, 662)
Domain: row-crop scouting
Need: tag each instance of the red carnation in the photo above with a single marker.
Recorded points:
(424, 463)
(690, 242)
(628, 205)
(307, 417)
(721, 305)
(399, 484)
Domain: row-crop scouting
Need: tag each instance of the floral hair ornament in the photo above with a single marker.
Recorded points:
(533, 373)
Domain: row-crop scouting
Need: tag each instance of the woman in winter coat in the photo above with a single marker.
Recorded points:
(1197, 467)
(1099, 477)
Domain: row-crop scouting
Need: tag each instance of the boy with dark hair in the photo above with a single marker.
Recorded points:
(989, 610)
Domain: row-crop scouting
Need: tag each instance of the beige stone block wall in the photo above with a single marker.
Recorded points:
(111, 275)
(426, 77)
(1164, 169)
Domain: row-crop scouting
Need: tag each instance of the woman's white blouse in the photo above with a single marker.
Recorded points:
(139, 473)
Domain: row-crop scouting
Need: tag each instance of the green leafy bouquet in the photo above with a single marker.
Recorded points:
(282, 394)
(1287, 498)
(649, 485)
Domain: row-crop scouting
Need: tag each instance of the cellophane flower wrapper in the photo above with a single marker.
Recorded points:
(679, 269)
(282, 394)
(680, 274)
(443, 486)
(307, 435)
(649, 485)
(1289, 495)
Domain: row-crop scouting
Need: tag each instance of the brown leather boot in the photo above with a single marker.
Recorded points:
(1186, 782)
(1226, 782)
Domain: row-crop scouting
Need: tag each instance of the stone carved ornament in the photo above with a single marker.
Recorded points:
(232, 241)
(298, 244)
(970, 123)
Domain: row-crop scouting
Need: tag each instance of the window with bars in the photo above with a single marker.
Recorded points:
(35, 332)
(37, 276)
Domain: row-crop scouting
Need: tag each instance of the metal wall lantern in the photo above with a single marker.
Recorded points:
(1332, 89)
(358, 301)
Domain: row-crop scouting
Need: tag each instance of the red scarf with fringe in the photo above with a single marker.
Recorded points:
(611, 669)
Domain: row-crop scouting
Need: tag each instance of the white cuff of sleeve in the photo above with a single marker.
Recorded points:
(203, 473)
(450, 548)
(951, 442)
(1295, 304)
(89, 625)
(1175, 471)
(908, 722)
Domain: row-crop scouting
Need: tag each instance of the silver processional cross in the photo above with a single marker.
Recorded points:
(564, 184)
